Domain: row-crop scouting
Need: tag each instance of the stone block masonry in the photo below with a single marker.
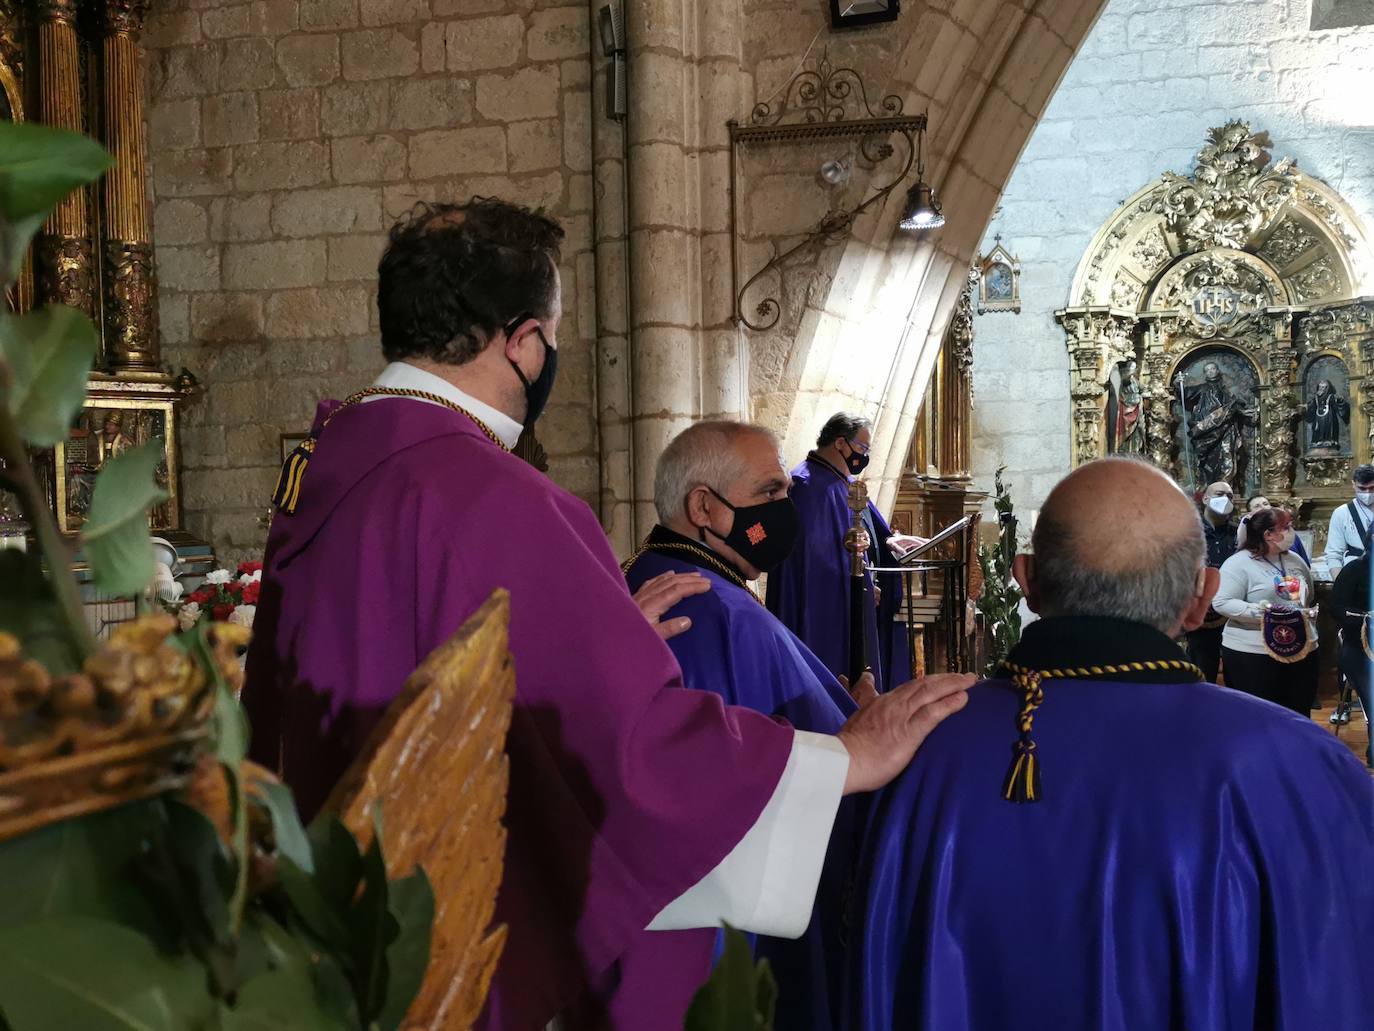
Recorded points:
(285, 138)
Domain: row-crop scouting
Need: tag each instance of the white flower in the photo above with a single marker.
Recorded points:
(218, 576)
(188, 614)
(243, 615)
(251, 578)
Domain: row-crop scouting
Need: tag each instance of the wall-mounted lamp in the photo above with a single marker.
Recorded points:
(827, 103)
(613, 46)
(922, 206)
(835, 172)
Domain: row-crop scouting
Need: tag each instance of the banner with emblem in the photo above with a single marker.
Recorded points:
(1286, 635)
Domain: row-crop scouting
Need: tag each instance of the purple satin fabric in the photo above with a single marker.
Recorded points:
(740, 651)
(809, 591)
(1201, 860)
(409, 518)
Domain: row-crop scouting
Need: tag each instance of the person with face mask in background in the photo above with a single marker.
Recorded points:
(720, 489)
(1269, 645)
(1219, 532)
(1258, 502)
(1348, 534)
(639, 816)
(809, 591)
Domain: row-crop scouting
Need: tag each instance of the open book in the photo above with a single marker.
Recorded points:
(929, 548)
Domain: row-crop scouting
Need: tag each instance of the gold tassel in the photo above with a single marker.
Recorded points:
(1023, 779)
(288, 492)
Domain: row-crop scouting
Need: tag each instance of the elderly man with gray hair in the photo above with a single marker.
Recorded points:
(1101, 840)
(724, 512)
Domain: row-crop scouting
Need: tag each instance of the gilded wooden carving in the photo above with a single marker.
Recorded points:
(1239, 277)
(131, 725)
(438, 768)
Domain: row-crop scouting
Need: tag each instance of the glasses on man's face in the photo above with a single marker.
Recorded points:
(859, 446)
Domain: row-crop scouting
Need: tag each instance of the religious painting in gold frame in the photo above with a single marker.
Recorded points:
(106, 428)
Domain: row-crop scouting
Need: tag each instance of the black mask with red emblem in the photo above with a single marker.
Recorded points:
(763, 535)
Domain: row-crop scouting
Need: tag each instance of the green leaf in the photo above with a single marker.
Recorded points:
(39, 166)
(373, 928)
(412, 907)
(325, 922)
(79, 867)
(286, 826)
(49, 353)
(279, 999)
(115, 538)
(80, 972)
(738, 996)
(30, 611)
(338, 863)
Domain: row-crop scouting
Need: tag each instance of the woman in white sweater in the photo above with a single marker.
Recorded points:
(1264, 572)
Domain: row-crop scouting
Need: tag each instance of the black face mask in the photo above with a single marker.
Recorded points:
(537, 392)
(855, 462)
(763, 535)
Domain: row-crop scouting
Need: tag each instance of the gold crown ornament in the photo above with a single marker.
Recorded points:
(132, 724)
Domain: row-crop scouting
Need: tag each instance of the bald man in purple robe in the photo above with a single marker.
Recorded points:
(635, 807)
(1101, 840)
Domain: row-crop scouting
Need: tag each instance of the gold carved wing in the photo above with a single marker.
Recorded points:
(437, 764)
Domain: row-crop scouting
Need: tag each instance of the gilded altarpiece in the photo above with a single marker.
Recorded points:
(1217, 327)
(76, 66)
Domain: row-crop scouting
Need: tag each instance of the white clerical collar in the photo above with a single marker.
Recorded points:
(403, 376)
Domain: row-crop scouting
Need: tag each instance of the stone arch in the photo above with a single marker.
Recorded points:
(875, 312)
(867, 315)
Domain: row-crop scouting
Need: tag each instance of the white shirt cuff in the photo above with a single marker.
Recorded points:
(767, 884)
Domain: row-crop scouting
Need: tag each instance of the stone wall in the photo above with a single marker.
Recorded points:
(285, 138)
(1150, 80)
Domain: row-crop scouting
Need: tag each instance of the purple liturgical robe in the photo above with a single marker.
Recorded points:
(809, 591)
(409, 518)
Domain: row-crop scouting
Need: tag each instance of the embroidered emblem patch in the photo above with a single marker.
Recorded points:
(755, 533)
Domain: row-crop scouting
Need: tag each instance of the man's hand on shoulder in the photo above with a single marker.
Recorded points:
(884, 734)
(659, 594)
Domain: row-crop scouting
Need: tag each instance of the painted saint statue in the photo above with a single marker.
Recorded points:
(1326, 410)
(1215, 425)
(1127, 409)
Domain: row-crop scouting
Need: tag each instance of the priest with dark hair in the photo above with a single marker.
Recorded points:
(1101, 840)
(810, 590)
(636, 808)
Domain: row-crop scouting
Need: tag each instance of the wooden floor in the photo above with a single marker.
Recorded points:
(1354, 734)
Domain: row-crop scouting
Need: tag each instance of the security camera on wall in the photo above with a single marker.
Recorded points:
(850, 14)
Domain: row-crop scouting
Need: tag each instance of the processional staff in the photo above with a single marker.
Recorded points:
(856, 542)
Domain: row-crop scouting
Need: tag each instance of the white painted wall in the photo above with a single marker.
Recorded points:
(1152, 77)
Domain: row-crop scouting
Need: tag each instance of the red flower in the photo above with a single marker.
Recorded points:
(249, 568)
(201, 596)
(221, 612)
(250, 593)
(235, 588)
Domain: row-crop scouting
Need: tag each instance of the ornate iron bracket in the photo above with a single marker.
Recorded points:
(819, 103)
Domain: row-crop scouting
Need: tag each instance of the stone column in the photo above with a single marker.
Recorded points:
(684, 82)
(614, 353)
(63, 247)
(130, 284)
